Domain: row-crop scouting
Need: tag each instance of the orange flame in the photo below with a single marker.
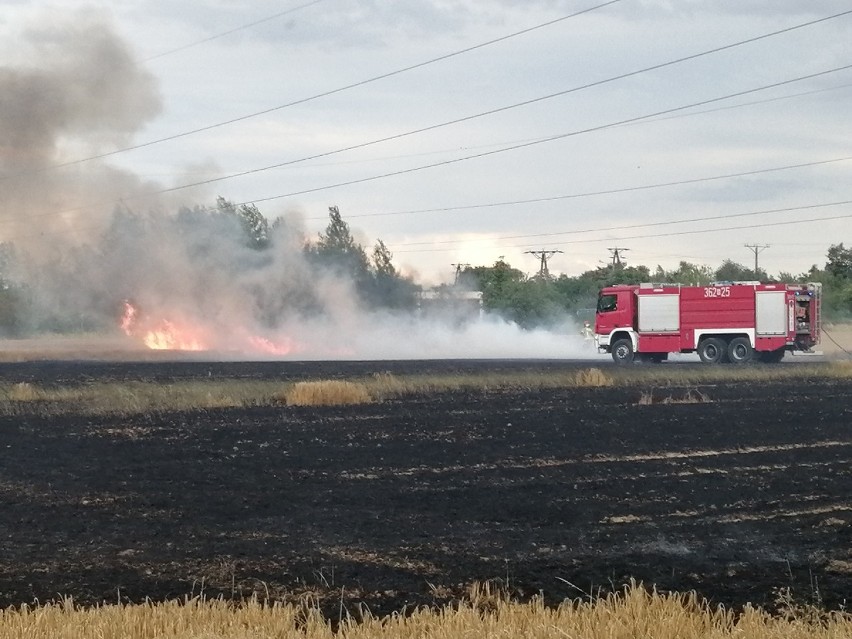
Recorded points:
(264, 345)
(169, 337)
(166, 335)
(128, 319)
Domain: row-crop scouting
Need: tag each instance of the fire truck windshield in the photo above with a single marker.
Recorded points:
(606, 303)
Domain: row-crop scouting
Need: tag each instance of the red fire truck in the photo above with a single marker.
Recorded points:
(735, 322)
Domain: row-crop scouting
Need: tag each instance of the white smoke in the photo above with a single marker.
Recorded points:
(80, 92)
(84, 261)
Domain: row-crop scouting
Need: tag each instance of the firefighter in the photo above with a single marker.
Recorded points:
(587, 331)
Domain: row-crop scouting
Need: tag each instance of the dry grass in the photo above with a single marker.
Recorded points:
(839, 369)
(594, 378)
(836, 340)
(135, 397)
(144, 397)
(387, 385)
(692, 396)
(632, 613)
(684, 376)
(327, 393)
(24, 392)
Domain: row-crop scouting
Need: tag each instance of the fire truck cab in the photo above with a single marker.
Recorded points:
(735, 322)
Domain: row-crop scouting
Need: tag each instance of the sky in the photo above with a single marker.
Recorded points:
(537, 125)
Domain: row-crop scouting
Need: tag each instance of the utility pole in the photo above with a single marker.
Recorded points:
(459, 268)
(543, 273)
(757, 249)
(617, 259)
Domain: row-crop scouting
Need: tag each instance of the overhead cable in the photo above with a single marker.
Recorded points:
(652, 235)
(324, 94)
(622, 227)
(494, 111)
(231, 31)
(626, 189)
(512, 147)
(551, 138)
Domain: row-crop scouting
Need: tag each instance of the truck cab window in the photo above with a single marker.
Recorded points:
(607, 303)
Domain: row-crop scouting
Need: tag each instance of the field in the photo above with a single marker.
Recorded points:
(740, 491)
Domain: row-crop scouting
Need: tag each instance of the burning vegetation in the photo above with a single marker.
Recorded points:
(89, 248)
(244, 280)
(170, 274)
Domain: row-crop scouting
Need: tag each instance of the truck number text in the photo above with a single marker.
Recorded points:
(717, 291)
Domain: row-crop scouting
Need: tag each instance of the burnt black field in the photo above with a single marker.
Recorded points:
(406, 502)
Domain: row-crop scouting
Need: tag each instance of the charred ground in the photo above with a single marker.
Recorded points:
(408, 501)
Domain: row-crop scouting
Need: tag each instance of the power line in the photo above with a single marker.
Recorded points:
(515, 105)
(617, 256)
(716, 230)
(657, 235)
(627, 189)
(422, 64)
(503, 150)
(231, 31)
(552, 138)
(468, 118)
(757, 249)
(543, 256)
(41, 233)
(621, 227)
(330, 92)
(400, 156)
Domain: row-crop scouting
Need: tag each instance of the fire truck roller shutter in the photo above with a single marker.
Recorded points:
(659, 313)
(770, 313)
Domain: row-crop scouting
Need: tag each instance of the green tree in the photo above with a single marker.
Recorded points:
(685, 273)
(337, 249)
(387, 287)
(839, 262)
(836, 279)
(578, 295)
(507, 291)
(492, 280)
(377, 281)
(254, 225)
(608, 275)
(731, 271)
(383, 260)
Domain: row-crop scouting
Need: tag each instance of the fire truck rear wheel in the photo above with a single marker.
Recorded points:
(622, 352)
(712, 350)
(740, 351)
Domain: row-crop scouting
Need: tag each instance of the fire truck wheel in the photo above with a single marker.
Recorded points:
(622, 352)
(740, 351)
(712, 350)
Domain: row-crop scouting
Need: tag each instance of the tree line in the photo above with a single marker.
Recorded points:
(533, 301)
(529, 301)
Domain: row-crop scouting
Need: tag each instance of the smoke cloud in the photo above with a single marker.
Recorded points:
(185, 278)
(79, 93)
